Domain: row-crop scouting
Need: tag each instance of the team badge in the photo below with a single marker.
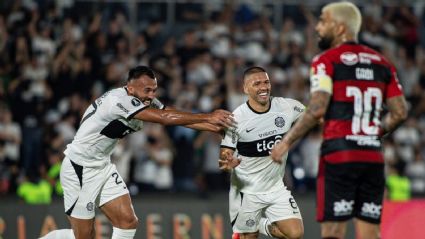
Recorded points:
(349, 58)
(279, 122)
(250, 223)
(135, 102)
(90, 206)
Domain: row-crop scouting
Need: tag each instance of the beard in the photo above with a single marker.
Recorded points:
(325, 42)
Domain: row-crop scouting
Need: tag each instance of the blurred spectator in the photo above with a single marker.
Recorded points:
(53, 172)
(184, 164)
(397, 184)
(309, 150)
(10, 134)
(34, 190)
(407, 139)
(211, 178)
(160, 152)
(415, 171)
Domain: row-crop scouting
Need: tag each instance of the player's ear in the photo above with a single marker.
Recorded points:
(245, 87)
(341, 29)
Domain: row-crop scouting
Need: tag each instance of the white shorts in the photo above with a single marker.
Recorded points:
(86, 188)
(246, 209)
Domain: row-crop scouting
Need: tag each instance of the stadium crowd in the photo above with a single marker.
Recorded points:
(56, 57)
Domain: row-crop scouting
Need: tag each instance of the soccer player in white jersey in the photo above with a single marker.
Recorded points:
(88, 177)
(257, 184)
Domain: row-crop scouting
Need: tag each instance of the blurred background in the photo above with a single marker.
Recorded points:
(57, 56)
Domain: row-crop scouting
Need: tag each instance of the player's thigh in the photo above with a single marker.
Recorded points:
(81, 187)
(370, 193)
(115, 201)
(336, 191)
(366, 230)
(235, 202)
(333, 229)
(120, 212)
(248, 215)
(82, 228)
(285, 215)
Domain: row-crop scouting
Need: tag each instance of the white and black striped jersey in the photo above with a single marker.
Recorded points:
(254, 137)
(108, 119)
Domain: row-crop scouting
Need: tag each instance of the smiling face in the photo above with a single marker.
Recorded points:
(144, 88)
(257, 86)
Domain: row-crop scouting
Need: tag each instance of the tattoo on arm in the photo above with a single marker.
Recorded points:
(397, 108)
(315, 111)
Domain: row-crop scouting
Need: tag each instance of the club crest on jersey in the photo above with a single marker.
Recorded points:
(90, 206)
(135, 102)
(349, 58)
(250, 223)
(279, 122)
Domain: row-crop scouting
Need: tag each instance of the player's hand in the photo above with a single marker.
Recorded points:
(278, 151)
(229, 162)
(222, 118)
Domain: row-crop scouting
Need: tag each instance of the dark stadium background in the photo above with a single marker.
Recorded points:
(57, 56)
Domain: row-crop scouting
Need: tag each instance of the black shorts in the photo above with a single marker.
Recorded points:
(348, 190)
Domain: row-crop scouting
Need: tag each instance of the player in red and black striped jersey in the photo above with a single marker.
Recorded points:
(351, 85)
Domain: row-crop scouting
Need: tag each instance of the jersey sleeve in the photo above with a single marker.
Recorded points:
(394, 87)
(230, 139)
(321, 74)
(126, 106)
(297, 108)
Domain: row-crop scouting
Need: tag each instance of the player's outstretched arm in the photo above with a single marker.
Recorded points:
(397, 108)
(314, 113)
(206, 127)
(201, 126)
(220, 118)
(227, 161)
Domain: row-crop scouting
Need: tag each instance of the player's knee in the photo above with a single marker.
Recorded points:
(84, 233)
(130, 222)
(294, 233)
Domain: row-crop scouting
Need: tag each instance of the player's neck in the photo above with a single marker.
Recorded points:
(257, 107)
(343, 39)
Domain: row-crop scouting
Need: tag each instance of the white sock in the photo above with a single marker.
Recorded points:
(60, 234)
(264, 226)
(118, 233)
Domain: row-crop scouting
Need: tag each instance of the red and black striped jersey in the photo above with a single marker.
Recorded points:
(360, 80)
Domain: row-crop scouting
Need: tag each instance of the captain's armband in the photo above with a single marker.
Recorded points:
(321, 82)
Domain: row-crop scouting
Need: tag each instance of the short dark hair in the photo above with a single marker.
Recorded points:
(139, 71)
(252, 70)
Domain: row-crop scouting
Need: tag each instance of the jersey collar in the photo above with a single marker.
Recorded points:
(252, 109)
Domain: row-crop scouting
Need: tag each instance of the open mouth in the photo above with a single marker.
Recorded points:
(264, 95)
(147, 102)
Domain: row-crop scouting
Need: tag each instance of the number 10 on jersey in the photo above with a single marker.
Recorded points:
(363, 109)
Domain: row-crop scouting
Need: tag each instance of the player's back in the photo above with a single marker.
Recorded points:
(361, 81)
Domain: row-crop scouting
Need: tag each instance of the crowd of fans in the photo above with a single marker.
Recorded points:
(55, 59)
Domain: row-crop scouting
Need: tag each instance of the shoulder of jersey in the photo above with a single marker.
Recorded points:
(328, 52)
(373, 51)
(240, 109)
